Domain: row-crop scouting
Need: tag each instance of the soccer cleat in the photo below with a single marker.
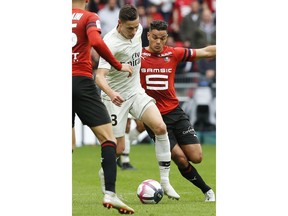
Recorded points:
(169, 191)
(102, 180)
(127, 166)
(112, 201)
(209, 196)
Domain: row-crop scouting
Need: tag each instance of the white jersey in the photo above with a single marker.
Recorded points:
(125, 51)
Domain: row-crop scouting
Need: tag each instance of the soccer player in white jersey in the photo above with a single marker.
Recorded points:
(123, 95)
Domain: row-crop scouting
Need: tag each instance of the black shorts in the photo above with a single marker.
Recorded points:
(180, 129)
(87, 104)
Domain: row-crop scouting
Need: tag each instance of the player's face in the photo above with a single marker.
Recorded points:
(157, 40)
(128, 29)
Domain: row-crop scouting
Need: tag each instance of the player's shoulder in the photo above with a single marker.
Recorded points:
(85, 13)
(178, 50)
(169, 50)
(111, 36)
(93, 15)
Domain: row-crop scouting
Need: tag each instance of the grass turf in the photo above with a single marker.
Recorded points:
(87, 196)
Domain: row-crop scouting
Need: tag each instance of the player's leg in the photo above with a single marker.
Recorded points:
(107, 173)
(193, 153)
(135, 132)
(93, 113)
(73, 124)
(73, 139)
(108, 155)
(125, 156)
(188, 171)
(153, 119)
(105, 137)
(189, 149)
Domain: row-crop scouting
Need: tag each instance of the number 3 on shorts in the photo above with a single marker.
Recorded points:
(114, 119)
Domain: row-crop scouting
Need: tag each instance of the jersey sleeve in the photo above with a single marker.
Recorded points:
(93, 29)
(103, 63)
(184, 54)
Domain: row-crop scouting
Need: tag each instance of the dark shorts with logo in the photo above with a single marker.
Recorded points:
(87, 103)
(180, 129)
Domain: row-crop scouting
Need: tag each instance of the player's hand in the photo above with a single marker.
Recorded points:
(127, 68)
(117, 99)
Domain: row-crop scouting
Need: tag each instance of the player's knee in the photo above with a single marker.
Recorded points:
(197, 158)
(160, 129)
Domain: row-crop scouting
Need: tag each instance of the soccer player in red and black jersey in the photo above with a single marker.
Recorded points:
(86, 102)
(158, 67)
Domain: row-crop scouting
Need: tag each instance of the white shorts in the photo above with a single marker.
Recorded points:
(135, 105)
(130, 116)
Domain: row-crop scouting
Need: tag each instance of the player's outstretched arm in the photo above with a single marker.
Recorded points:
(99, 45)
(206, 52)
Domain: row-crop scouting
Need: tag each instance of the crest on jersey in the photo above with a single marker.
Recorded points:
(166, 59)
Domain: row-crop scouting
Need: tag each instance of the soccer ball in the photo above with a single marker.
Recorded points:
(150, 192)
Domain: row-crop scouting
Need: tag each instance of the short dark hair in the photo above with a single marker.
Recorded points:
(128, 13)
(158, 25)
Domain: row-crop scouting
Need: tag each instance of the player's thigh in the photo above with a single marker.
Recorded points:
(145, 109)
(187, 139)
(141, 102)
(87, 103)
(119, 116)
(153, 119)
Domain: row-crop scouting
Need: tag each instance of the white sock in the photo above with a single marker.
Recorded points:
(163, 155)
(125, 155)
(133, 135)
(109, 193)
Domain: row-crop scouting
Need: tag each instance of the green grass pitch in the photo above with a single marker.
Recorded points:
(87, 196)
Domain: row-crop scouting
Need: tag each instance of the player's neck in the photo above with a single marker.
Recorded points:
(148, 48)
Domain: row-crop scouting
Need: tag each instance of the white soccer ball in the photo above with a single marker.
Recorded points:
(150, 192)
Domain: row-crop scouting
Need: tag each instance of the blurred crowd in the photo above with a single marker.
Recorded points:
(192, 24)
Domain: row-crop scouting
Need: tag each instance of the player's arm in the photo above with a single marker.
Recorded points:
(99, 45)
(103, 85)
(206, 52)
